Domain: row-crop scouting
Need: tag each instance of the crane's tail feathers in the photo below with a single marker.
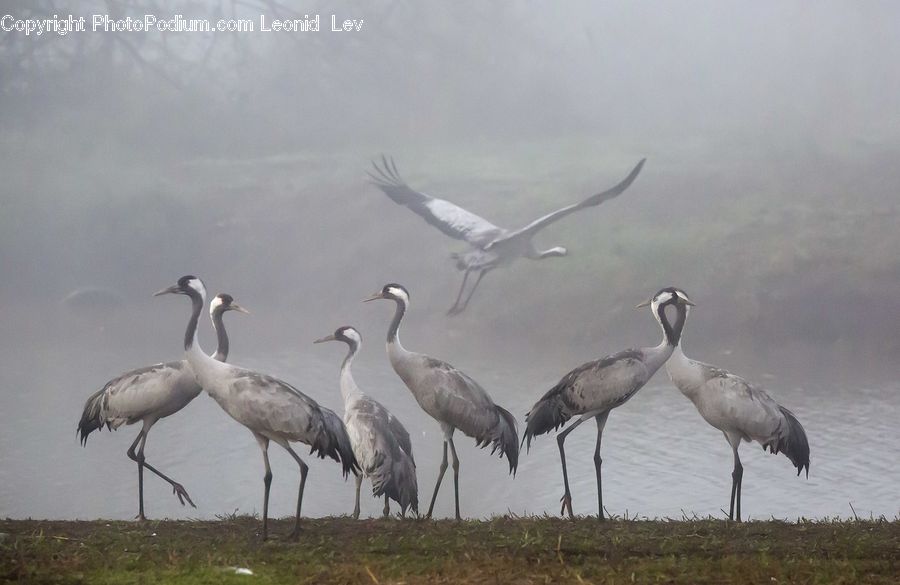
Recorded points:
(334, 442)
(91, 419)
(793, 443)
(400, 485)
(505, 438)
(546, 415)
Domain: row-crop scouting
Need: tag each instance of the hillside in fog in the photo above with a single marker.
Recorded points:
(769, 191)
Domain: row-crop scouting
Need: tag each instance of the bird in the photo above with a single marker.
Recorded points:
(149, 394)
(270, 408)
(449, 396)
(491, 246)
(741, 410)
(593, 389)
(380, 442)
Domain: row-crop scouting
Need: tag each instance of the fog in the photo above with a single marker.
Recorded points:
(128, 159)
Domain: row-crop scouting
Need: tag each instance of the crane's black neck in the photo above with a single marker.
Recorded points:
(672, 331)
(190, 334)
(393, 335)
(221, 335)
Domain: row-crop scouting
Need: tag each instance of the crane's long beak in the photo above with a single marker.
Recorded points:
(374, 297)
(642, 305)
(326, 338)
(168, 291)
(239, 309)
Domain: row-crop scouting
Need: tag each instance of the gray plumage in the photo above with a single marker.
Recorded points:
(270, 408)
(273, 409)
(449, 396)
(600, 385)
(453, 398)
(742, 411)
(491, 246)
(594, 389)
(380, 442)
(149, 394)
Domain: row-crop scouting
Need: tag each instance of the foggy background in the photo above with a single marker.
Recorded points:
(771, 131)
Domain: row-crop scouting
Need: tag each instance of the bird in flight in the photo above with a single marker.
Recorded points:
(491, 246)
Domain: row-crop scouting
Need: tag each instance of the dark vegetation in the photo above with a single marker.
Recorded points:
(501, 550)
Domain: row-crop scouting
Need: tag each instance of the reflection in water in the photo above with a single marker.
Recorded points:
(660, 458)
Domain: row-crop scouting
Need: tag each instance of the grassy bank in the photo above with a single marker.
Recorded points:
(537, 550)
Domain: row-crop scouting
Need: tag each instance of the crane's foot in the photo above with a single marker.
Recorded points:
(453, 311)
(566, 505)
(294, 534)
(140, 517)
(182, 494)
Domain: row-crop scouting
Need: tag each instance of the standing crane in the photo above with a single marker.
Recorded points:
(449, 396)
(380, 442)
(271, 409)
(739, 409)
(593, 389)
(149, 394)
(492, 246)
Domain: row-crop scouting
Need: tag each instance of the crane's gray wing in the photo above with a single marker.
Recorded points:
(265, 402)
(448, 217)
(380, 454)
(140, 392)
(605, 383)
(401, 434)
(594, 200)
(460, 400)
(733, 402)
(596, 386)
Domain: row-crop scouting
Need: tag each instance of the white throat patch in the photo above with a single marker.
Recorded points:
(215, 304)
(197, 285)
(399, 292)
(353, 335)
(662, 298)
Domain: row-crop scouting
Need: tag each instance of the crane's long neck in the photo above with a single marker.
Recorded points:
(679, 365)
(348, 384)
(201, 363)
(221, 336)
(393, 335)
(657, 356)
(190, 334)
(672, 331)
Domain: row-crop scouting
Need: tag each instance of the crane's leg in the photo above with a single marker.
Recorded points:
(359, 479)
(387, 507)
(560, 440)
(472, 291)
(453, 310)
(267, 482)
(177, 488)
(736, 476)
(437, 486)
(304, 468)
(139, 458)
(601, 422)
(455, 474)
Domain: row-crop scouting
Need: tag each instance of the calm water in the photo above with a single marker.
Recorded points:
(660, 457)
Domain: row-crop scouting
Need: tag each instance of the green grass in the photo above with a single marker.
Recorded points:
(501, 550)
